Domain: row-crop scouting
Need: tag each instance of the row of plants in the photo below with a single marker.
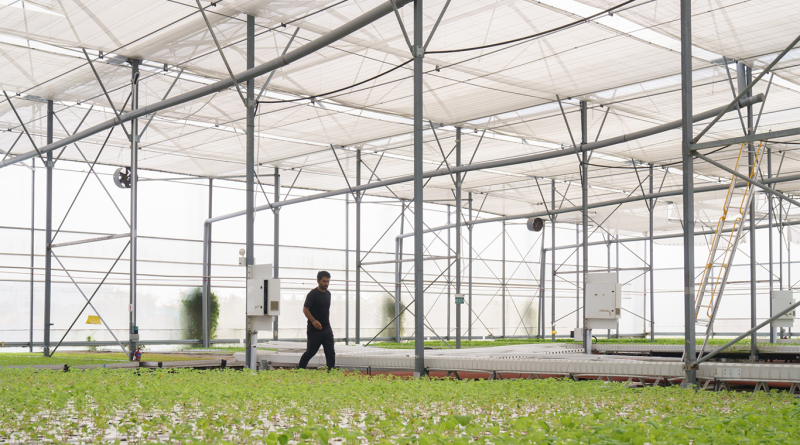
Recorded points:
(283, 407)
(81, 358)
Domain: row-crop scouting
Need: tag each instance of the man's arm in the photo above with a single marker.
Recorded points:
(310, 318)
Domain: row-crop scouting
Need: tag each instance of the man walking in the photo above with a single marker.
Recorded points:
(317, 309)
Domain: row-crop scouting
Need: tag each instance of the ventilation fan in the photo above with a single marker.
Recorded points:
(122, 178)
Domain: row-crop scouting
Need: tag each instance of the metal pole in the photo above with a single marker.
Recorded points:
(553, 261)
(251, 351)
(469, 267)
(33, 252)
(419, 283)
(276, 243)
(459, 220)
(608, 269)
(504, 280)
(616, 262)
(347, 269)
(358, 248)
(652, 271)
(399, 273)
(770, 215)
(133, 328)
(207, 269)
(449, 280)
(48, 239)
(688, 189)
(578, 274)
(542, 272)
(581, 278)
(744, 78)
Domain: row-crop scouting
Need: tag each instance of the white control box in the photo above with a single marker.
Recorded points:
(603, 301)
(781, 299)
(263, 300)
(263, 297)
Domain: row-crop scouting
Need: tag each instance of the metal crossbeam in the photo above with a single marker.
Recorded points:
(747, 179)
(273, 72)
(103, 87)
(91, 240)
(744, 91)
(219, 48)
(24, 128)
(88, 300)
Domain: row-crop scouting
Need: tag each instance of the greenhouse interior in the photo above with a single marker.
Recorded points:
(497, 221)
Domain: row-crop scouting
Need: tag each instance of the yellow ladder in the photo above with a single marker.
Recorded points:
(723, 249)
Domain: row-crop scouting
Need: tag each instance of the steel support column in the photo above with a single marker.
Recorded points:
(542, 272)
(469, 267)
(358, 197)
(770, 216)
(33, 247)
(553, 261)
(276, 243)
(133, 328)
(251, 355)
(652, 271)
(503, 260)
(347, 269)
(744, 78)
(449, 279)
(207, 269)
(398, 277)
(419, 283)
(688, 190)
(48, 232)
(578, 280)
(459, 220)
(581, 278)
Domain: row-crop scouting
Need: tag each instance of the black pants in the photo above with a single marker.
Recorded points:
(317, 338)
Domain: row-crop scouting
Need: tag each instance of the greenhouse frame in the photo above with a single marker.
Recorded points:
(496, 156)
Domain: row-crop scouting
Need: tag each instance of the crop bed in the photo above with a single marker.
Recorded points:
(82, 358)
(280, 407)
(527, 341)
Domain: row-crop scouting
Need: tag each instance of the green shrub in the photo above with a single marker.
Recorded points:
(192, 313)
(90, 338)
(387, 316)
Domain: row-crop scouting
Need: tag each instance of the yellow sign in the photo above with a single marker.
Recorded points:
(93, 319)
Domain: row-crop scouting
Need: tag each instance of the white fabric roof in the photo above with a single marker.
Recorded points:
(625, 65)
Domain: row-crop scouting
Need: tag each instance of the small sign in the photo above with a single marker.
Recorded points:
(93, 319)
(459, 298)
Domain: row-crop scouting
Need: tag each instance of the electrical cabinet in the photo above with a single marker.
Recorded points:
(263, 297)
(603, 301)
(782, 299)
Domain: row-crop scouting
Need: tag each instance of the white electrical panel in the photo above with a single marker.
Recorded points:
(781, 299)
(603, 300)
(263, 297)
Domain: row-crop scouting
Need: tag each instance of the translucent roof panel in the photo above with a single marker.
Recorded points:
(358, 93)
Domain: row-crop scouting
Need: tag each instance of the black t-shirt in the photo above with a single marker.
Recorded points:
(319, 304)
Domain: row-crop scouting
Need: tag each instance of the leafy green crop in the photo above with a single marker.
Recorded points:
(289, 407)
(82, 358)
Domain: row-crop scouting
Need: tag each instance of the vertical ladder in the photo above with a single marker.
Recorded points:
(723, 249)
